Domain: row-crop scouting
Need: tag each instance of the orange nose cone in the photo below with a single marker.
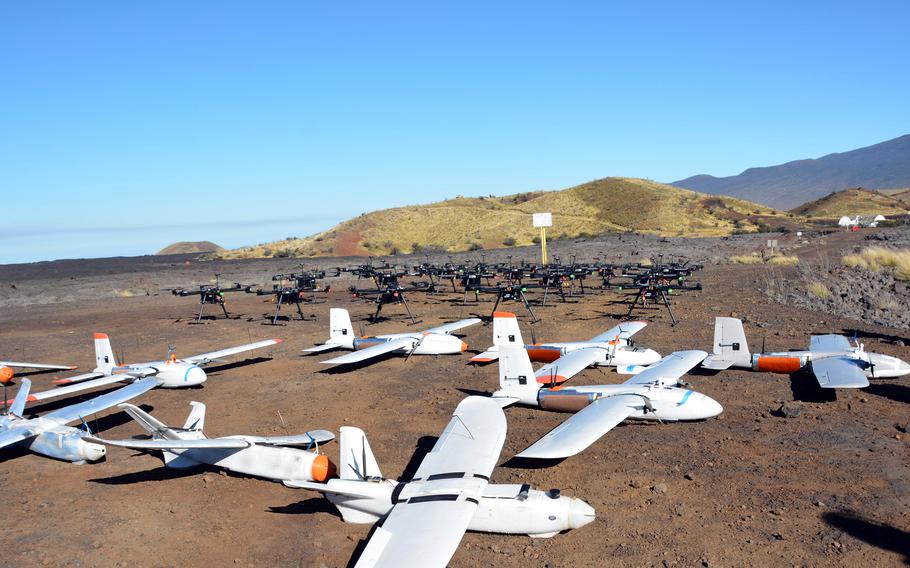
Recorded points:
(322, 468)
(6, 375)
(464, 346)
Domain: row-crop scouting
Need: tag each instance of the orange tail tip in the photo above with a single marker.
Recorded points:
(503, 315)
(100, 335)
(62, 381)
(555, 379)
(322, 468)
(278, 340)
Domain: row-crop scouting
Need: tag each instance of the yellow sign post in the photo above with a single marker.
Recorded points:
(543, 220)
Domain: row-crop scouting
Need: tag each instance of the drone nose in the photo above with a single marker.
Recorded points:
(464, 346)
(195, 376)
(712, 407)
(580, 514)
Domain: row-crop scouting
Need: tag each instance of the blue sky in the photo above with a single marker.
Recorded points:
(125, 126)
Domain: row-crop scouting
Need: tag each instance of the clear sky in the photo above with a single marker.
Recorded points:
(125, 126)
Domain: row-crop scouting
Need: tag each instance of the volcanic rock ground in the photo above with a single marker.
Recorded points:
(829, 487)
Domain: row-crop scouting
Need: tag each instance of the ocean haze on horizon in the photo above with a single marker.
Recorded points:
(36, 244)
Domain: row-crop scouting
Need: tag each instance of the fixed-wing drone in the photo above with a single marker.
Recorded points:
(50, 436)
(835, 363)
(450, 493)
(613, 348)
(280, 458)
(652, 394)
(434, 341)
(173, 372)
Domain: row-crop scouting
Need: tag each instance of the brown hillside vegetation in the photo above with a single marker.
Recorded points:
(852, 202)
(188, 247)
(466, 223)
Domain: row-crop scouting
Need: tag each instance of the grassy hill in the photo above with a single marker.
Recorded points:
(187, 247)
(852, 202)
(466, 223)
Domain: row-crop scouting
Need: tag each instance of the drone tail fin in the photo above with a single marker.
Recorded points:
(104, 355)
(506, 330)
(18, 405)
(196, 420)
(517, 382)
(730, 342)
(341, 332)
(356, 460)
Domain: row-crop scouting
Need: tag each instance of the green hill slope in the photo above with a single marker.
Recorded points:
(852, 202)
(611, 204)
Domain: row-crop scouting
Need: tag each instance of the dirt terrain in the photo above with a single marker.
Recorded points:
(829, 487)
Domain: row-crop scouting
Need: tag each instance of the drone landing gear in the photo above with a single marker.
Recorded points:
(661, 299)
(278, 311)
(202, 312)
(401, 300)
(517, 294)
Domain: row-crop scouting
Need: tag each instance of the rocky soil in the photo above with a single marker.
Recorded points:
(788, 475)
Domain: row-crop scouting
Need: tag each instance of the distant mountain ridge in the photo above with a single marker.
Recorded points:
(785, 186)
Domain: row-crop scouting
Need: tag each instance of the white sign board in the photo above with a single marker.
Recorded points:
(772, 243)
(543, 220)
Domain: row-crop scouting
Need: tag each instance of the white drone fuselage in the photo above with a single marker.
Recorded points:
(877, 365)
(172, 374)
(661, 402)
(503, 508)
(426, 343)
(620, 355)
(56, 440)
(269, 462)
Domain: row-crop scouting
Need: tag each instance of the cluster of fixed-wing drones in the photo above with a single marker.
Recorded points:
(423, 519)
(642, 284)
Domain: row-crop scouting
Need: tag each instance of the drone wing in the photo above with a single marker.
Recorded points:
(584, 427)
(13, 435)
(163, 444)
(569, 365)
(839, 372)
(323, 347)
(625, 330)
(454, 326)
(103, 402)
(425, 529)
(19, 365)
(78, 378)
(206, 358)
(370, 352)
(672, 367)
(829, 343)
(79, 387)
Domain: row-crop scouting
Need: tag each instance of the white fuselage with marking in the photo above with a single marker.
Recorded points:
(507, 509)
(876, 365)
(172, 374)
(658, 402)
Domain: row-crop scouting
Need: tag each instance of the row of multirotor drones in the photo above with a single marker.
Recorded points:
(649, 283)
(450, 492)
